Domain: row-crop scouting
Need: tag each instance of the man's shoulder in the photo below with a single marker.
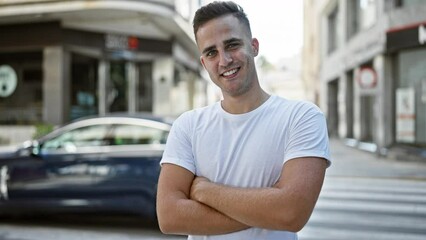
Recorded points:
(294, 105)
(200, 111)
(195, 114)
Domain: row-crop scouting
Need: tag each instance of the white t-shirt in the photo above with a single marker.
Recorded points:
(247, 150)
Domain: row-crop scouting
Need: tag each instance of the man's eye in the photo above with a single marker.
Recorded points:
(232, 45)
(211, 53)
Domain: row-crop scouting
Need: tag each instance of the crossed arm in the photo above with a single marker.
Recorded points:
(193, 205)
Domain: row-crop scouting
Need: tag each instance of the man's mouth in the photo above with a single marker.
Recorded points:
(230, 72)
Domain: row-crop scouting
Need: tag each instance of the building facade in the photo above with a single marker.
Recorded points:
(60, 60)
(364, 62)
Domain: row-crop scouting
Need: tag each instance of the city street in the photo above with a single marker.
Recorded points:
(364, 197)
(371, 209)
(81, 227)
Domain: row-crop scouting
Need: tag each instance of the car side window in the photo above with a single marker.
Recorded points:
(87, 136)
(125, 134)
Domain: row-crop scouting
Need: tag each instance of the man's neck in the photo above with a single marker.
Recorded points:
(245, 103)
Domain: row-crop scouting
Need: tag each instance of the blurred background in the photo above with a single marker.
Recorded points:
(363, 62)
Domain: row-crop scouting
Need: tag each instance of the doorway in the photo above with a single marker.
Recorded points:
(333, 113)
(349, 102)
(367, 118)
(84, 86)
(117, 87)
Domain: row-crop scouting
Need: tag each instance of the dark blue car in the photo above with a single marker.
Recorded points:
(101, 164)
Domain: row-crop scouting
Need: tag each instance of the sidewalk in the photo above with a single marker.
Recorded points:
(352, 162)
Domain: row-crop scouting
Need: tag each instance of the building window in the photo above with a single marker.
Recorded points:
(361, 15)
(117, 93)
(367, 13)
(84, 86)
(145, 86)
(352, 18)
(23, 105)
(332, 24)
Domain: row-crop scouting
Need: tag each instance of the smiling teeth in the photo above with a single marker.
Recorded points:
(229, 72)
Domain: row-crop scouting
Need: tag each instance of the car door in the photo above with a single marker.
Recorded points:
(61, 172)
(133, 167)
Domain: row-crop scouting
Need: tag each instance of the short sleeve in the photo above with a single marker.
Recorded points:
(308, 135)
(178, 149)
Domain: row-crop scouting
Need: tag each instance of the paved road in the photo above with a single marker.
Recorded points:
(367, 197)
(80, 228)
(352, 162)
(370, 209)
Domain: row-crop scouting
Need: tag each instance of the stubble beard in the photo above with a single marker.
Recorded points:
(245, 85)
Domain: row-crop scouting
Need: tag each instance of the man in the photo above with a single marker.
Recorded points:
(250, 166)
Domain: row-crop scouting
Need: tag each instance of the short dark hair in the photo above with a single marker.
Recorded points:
(218, 9)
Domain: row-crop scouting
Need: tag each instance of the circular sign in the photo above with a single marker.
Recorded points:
(8, 81)
(367, 77)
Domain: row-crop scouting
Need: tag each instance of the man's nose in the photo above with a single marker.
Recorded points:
(225, 58)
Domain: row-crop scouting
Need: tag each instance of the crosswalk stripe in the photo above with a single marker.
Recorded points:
(372, 206)
(357, 219)
(420, 190)
(372, 209)
(333, 233)
(374, 196)
(375, 185)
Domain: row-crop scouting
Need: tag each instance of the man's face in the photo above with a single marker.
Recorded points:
(227, 53)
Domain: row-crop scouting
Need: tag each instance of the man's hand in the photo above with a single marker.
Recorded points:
(179, 214)
(285, 206)
(196, 187)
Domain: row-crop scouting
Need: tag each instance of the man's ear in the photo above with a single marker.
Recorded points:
(202, 61)
(255, 46)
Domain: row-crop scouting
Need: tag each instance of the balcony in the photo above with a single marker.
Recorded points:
(156, 19)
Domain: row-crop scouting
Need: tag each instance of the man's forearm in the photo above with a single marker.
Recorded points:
(249, 206)
(177, 214)
(189, 217)
(285, 206)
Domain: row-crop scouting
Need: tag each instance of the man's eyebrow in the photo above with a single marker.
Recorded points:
(208, 49)
(227, 41)
(231, 40)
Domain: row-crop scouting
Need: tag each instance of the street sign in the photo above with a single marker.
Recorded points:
(8, 81)
(367, 77)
